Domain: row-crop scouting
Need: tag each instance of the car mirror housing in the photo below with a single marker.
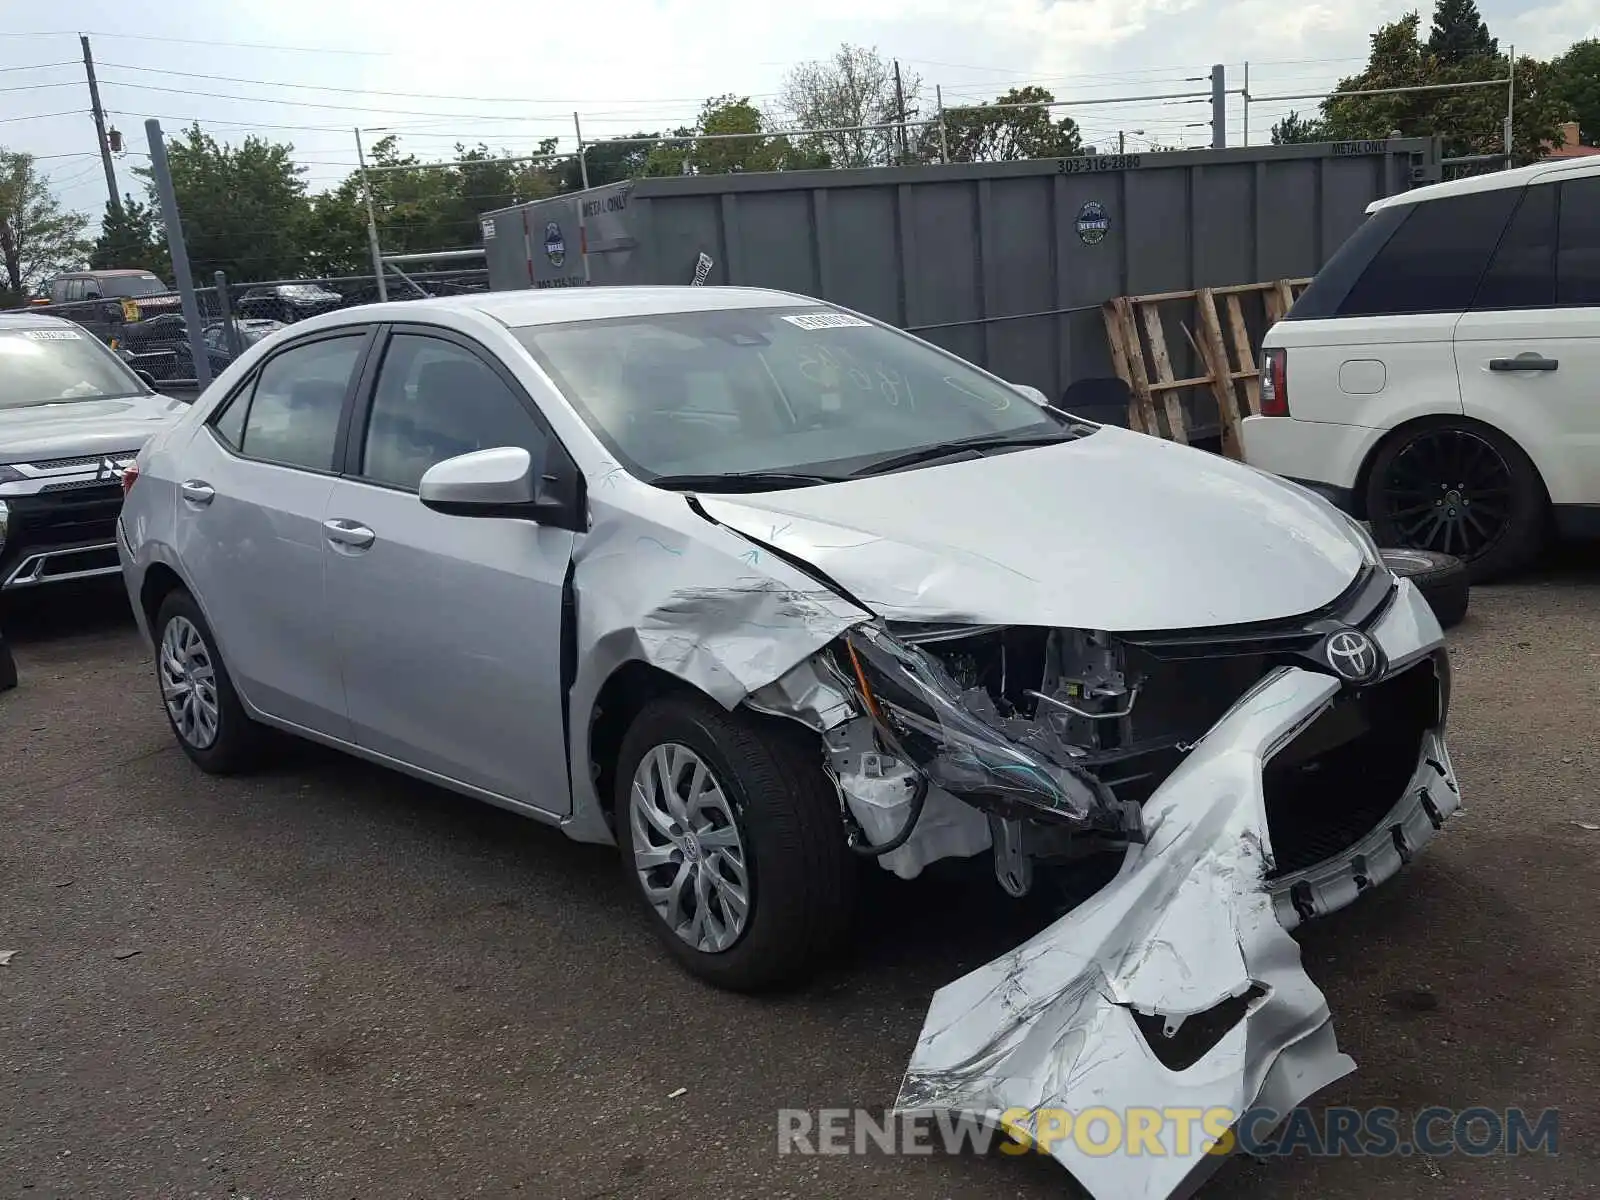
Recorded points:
(1032, 393)
(503, 482)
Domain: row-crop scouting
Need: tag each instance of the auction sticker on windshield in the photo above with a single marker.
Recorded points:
(51, 335)
(827, 321)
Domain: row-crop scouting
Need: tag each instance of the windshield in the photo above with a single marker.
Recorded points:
(44, 366)
(132, 285)
(803, 390)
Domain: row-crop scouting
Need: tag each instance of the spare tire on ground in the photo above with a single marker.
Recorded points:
(1441, 578)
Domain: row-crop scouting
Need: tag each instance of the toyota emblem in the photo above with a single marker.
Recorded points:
(1352, 655)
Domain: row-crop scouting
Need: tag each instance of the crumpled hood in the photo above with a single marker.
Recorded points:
(70, 428)
(1114, 531)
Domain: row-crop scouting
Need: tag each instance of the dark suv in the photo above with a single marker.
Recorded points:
(72, 417)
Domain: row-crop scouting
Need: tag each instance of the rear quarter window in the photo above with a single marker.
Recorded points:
(1425, 257)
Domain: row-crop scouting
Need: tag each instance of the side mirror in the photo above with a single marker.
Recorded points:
(146, 378)
(503, 482)
(91, 294)
(1032, 393)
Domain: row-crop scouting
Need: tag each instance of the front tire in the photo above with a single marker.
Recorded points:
(1459, 488)
(730, 833)
(197, 693)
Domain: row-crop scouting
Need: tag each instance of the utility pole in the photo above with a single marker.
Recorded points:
(1219, 107)
(372, 222)
(1511, 100)
(944, 140)
(900, 110)
(161, 176)
(1122, 142)
(100, 126)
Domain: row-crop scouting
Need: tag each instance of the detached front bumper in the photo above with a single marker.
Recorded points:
(1177, 986)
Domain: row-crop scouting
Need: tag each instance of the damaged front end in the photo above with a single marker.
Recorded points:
(1247, 781)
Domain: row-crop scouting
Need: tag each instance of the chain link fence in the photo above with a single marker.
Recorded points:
(151, 334)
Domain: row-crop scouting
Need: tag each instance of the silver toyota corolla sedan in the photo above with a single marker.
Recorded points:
(761, 589)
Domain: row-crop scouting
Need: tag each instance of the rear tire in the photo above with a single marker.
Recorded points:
(1441, 578)
(197, 693)
(1456, 487)
(770, 819)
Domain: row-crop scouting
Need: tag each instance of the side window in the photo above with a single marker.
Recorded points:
(1332, 284)
(1578, 255)
(299, 395)
(1523, 271)
(1434, 260)
(435, 400)
(72, 289)
(229, 423)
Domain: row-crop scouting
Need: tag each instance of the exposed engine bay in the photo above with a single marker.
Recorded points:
(1052, 738)
(1044, 745)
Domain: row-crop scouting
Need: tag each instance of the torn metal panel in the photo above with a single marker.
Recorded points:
(1186, 925)
(806, 693)
(693, 599)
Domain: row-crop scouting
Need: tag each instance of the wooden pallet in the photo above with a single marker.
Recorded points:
(1217, 329)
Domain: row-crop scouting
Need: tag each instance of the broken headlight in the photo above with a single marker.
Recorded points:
(947, 714)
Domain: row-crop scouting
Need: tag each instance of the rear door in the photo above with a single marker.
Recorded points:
(255, 483)
(1529, 351)
(449, 629)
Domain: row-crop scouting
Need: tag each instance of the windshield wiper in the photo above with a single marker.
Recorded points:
(995, 441)
(742, 481)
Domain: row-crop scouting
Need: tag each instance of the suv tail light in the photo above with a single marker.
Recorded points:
(129, 475)
(1274, 383)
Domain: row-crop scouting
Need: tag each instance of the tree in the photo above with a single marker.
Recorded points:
(1294, 129)
(1575, 83)
(1459, 34)
(1001, 132)
(131, 236)
(1469, 119)
(735, 114)
(38, 238)
(244, 207)
(856, 87)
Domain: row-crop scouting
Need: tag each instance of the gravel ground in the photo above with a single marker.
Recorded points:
(327, 980)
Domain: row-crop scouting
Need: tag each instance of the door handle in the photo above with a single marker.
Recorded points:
(197, 491)
(1524, 362)
(348, 533)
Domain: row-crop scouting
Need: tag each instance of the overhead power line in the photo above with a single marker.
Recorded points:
(71, 112)
(363, 91)
(151, 37)
(38, 66)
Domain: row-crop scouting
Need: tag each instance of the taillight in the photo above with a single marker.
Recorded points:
(1274, 383)
(130, 474)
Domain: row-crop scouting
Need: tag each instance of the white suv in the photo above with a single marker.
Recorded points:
(1441, 375)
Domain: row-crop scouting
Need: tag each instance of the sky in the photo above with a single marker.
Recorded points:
(508, 73)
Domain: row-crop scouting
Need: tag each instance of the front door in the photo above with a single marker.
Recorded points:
(1529, 351)
(448, 628)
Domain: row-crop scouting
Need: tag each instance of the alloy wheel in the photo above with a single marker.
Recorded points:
(687, 848)
(1448, 490)
(189, 683)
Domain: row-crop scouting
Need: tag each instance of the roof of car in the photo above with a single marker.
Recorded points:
(28, 320)
(547, 306)
(119, 271)
(1545, 170)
